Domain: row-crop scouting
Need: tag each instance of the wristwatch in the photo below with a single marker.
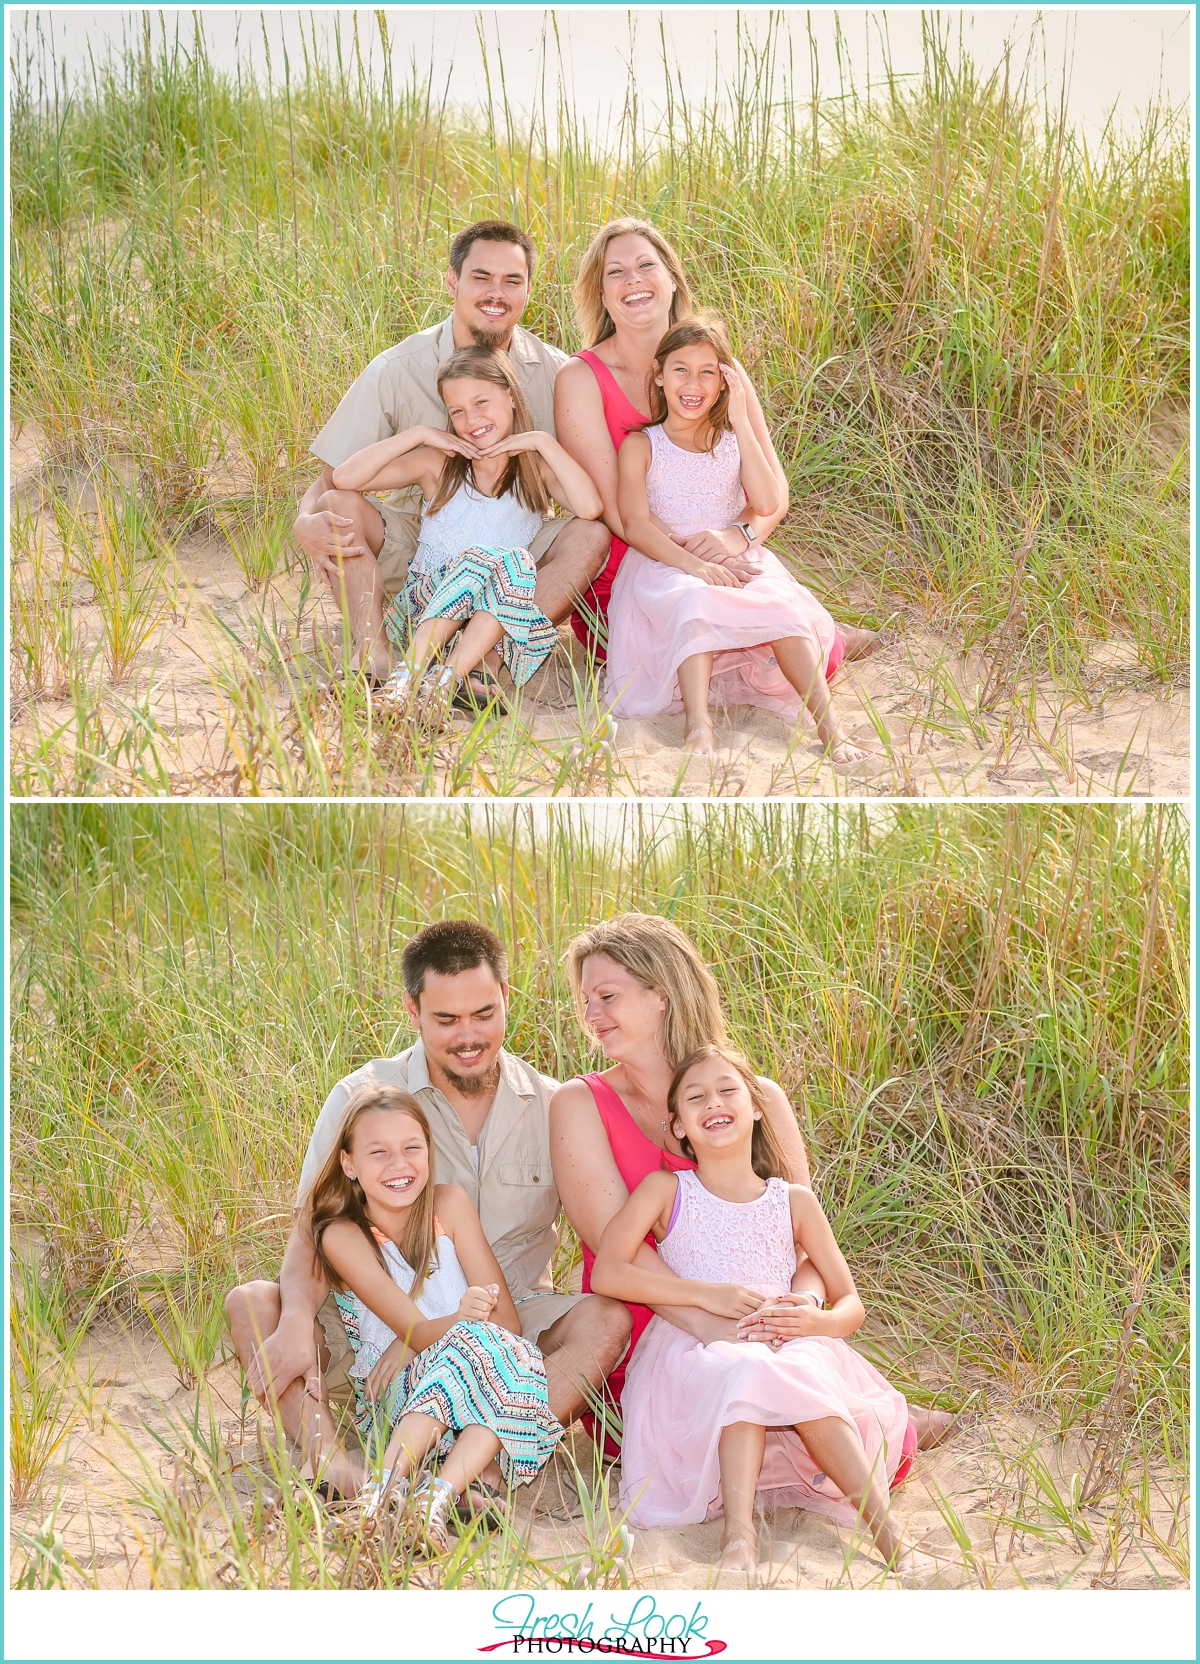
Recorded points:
(748, 532)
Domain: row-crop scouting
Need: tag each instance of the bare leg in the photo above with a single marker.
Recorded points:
(740, 1454)
(694, 676)
(427, 638)
(413, 1437)
(860, 644)
(800, 663)
(578, 554)
(475, 1450)
(480, 636)
(933, 1426)
(837, 1449)
(361, 590)
(253, 1314)
(580, 1350)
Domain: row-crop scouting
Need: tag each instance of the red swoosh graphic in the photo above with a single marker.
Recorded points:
(611, 1651)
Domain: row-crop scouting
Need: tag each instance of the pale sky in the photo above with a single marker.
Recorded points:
(1114, 58)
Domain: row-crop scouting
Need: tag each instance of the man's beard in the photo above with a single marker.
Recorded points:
(492, 340)
(474, 1086)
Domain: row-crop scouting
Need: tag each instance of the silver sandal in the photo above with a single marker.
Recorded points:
(433, 1501)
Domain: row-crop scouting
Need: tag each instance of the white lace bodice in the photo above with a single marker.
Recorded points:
(444, 1288)
(470, 518)
(693, 490)
(732, 1242)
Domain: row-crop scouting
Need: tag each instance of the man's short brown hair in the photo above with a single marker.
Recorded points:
(490, 231)
(450, 947)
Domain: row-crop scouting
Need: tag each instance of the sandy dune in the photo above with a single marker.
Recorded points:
(975, 1479)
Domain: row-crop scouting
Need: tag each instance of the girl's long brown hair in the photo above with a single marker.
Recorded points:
(522, 476)
(334, 1196)
(701, 330)
(766, 1152)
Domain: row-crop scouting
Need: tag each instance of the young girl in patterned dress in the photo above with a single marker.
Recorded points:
(440, 1367)
(678, 622)
(488, 481)
(787, 1411)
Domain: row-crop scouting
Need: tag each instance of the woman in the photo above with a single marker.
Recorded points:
(649, 1000)
(630, 290)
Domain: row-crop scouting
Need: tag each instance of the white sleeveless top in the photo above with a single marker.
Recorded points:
(444, 1288)
(470, 518)
(732, 1242)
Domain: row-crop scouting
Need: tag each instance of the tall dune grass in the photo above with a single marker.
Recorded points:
(980, 1016)
(963, 319)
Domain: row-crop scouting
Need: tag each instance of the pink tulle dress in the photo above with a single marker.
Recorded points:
(679, 1395)
(658, 616)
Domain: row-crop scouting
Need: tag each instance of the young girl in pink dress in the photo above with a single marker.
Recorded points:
(788, 1412)
(679, 624)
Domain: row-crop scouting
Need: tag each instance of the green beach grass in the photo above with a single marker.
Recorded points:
(981, 1016)
(969, 327)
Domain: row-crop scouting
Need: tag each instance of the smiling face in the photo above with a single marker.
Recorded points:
(389, 1157)
(492, 292)
(713, 1108)
(636, 286)
(691, 379)
(461, 1022)
(479, 410)
(623, 1014)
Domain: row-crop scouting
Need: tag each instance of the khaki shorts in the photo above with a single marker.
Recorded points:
(401, 525)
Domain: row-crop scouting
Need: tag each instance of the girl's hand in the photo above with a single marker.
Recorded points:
(723, 548)
(709, 572)
(516, 442)
(786, 1317)
(739, 411)
(386, 1370)
(478, 1304)
(731, 1299)
(441, 439)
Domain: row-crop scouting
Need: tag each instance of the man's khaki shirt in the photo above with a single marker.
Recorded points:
(512, 1191)
(398, 390)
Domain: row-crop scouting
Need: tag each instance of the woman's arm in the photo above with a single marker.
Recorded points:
(480, 1266)
(583, 433)
(567, 482)
(414, 457)
(615, 1271)
(592, 1191)
(633, 462)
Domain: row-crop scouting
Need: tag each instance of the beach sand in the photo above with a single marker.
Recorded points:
(976, 1479)
(935, 719)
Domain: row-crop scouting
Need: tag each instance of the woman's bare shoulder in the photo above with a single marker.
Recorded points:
(573, 1097)
(578, 380)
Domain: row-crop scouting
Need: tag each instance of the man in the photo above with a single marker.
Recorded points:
(365, 544)
(489, 1117)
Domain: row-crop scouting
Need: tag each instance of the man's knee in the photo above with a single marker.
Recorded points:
(252, 1309)
(612, 1318)
(583, 546)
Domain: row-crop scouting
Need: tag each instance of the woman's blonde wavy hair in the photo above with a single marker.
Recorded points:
(595, 324)
(661, 957)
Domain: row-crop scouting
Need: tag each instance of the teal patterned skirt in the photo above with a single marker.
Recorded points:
(477, 1374)
(496, 581)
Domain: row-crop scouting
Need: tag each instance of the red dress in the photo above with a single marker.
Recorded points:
(621, 419)
(635, 1156)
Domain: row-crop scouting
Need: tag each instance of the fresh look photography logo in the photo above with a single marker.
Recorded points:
(646, 1630)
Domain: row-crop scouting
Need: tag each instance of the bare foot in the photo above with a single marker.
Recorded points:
(911, 1562)
(933, 1426)
(699, 740)
(843, 751)
(860, 644)
(738, 1554)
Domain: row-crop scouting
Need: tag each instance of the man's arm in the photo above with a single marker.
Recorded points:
(291, 1352)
